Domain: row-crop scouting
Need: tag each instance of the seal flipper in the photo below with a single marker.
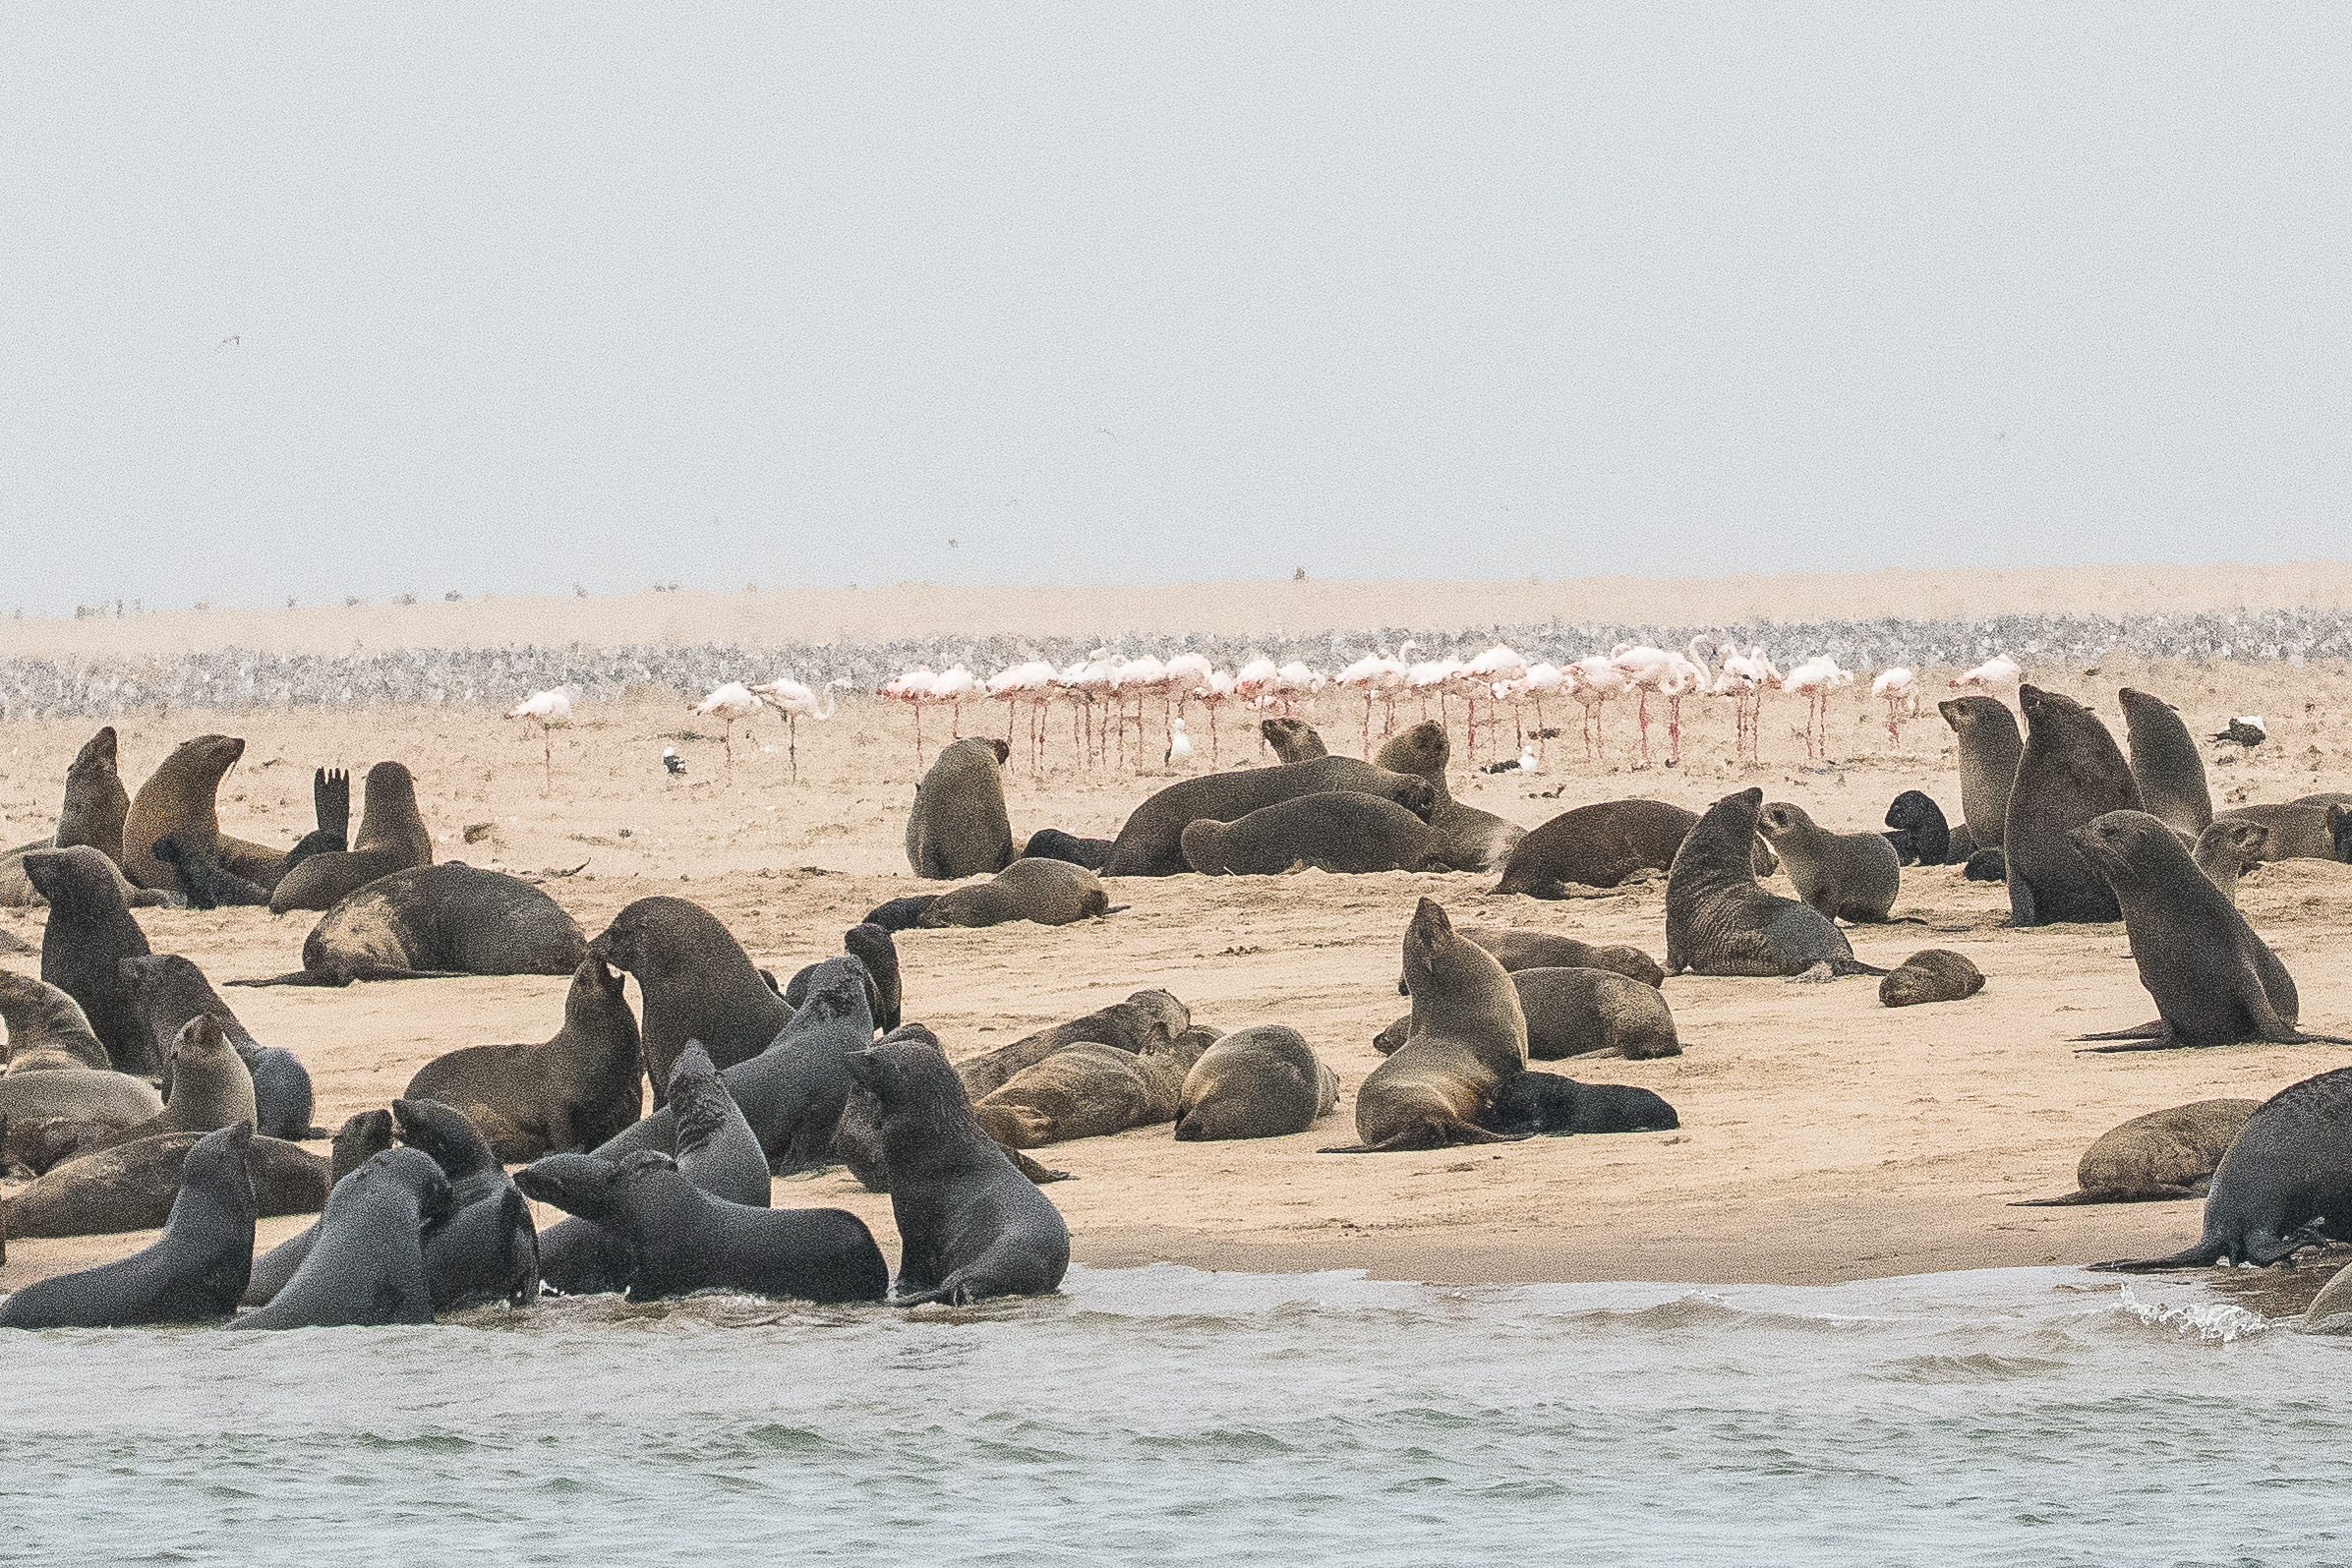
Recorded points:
(330, 802)
(2152, 1029)
(2161, 1192)
(2202, 1255)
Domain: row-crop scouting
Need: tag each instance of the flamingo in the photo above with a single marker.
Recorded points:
(1996, 674)
(1142, 678)
(1817, 677)
(1491, 671)
(1364, 675)
(1595, 680)
(549, 707)
(1186, 673)
(955, 686)
(1294, 681)
(1431, 675)
(1644, 669)
(1033, 683)
(913, 689)
(1750, 675)
(1899, 689)
(1682, 677)
(1254, 684)
(795, 702)
(1539, 679)
(729, 703)
(1214, 693)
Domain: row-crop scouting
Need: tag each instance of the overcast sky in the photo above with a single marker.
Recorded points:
(304, 301)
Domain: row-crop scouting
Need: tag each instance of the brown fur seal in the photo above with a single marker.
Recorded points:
(96, 803)
(392, 837)
(959, 828)
(2170, 1154)
(1600, 846)
(179, 798)
(2165, 762)
(1146, 1020)
(89, 933)
(1257, 1083)
(1151, 844)
(430, 923)
(47, 1031)
(210, 1087)
(1091, 1091)
(571, 1092)
(1045, 891)
(2214, 980)
(1921, 835)
(695, 982)
(1932, 974)
(1052, 843)
(168, 990)
(2227, 848)
(1579, 1012)
(1548, 1102)
(1720, 921)
(130, 1187)
(204, 881)
(871, 944)
(2071, 772)
(1339, 829)
(366, 1264)
(357, 1141)
(2339, 828)
(2296, 833)
(1847, 876)
(1293, 739)
(1468, 1037)
(1517, 949)
(1990, 749)
(1463, 837)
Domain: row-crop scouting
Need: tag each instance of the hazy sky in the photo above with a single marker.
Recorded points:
(523, 296)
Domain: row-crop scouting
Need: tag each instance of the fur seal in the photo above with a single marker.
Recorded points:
(1920, 837)
(89, 933)
(1091, 1091)
(2296, 833)
(2071, 773)
(1147, 1020)
(870, 944)
(1052, 843)
(367, 1264)
(210, 1086)
(1516, 949)
(1045, 892)
(694, 982)
(1989, 750)
(1257, 1083)
(2214, 981)
(357, 1141)
(2165, 763)
(1463, 837)
(204, 880)
(1578, 1011)
(1847, 876)
(2227, 848)
(678, 1238)
(47, 1031)
(1601, 844)
(1720, 921)
(1986, 865)
(904, 914)
(488, 1250)
(112, 1099)
(2286, 1183)
(1293, 739)
(392, 837)
(2165, 1154)
(92, 814)
(1548, 1102)
(1467, 1037)
(971, 1225)
(959, 828)
(1150, 843)
(196, 1271)
(566, 1094)
(168, 990)
(1339, 830)
(430, 923)
(2340, 831)
(179, 798)
(130, 1187)
(1931, 974)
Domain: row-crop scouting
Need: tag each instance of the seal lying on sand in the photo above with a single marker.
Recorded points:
(1293, 739)
(697, 983)
(1257, 1083)
(367, 1264)
(204, 879)
(1151, 844)
(196, 1271)
(1720, 921)
(167, 990)
(1091, 1091)
(1516, 949)
(1146, 1020)
(89, 933)
(959, 828)
(488, 1250)
(433, 923)
(1461, 836)
(2165, 1154)
(1990, 749)
(47, 1030)
(2165, 763)
(1578, 1011)
(971, 1225)
(2296, 833)
(2071, 773)
(1467, 1037)
(2285, 1183)
(130, 1187)
(1931, 974)
(1546, 1102)
(392, 837)
(179, 798)
(569, 1093)
(2214, 981)
(1045, 892)
(1847, 876)
(1052, 843)
(1919, 832)
(1601, 844)
(1337, 831)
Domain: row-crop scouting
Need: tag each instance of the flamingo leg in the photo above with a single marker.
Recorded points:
(547, 743)
(791, 743)
(1673, 732)
(1641, 709)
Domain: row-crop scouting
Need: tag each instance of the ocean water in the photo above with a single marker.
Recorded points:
(1164, 1415)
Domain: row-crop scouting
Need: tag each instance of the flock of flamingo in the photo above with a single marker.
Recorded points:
(1108, 696)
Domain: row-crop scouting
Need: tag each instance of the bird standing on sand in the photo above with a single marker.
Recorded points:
(549, 707)
(913, 689)
(2246, 730)
(795, 702)
(672, 763)
(1180, 745)
(1817, 678)
(728, 704)
(1899, 689)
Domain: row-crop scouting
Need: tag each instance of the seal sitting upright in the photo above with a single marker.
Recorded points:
(2072, 771)
(1720, 921)
(959, 828)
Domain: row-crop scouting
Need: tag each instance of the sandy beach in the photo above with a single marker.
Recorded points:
(1824, 1137)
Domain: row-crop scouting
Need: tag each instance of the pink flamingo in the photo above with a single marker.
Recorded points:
(1541, 678)
(1497, 667)
(729, 703)
(2000, 672)
(795, 702)
(1595, 682)
(547, 707)
(1033, 683)
(955, 687)
(1644, 669)
(913, 689)
(1899, 689)
(1212, 694)
(1817, 678)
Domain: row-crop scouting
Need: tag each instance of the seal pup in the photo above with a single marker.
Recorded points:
(1293, 739)
(1919, 832)
(357, 1141)
(2286, 1183)
(903, 914)
(392, 837)
(1578, 1011)
(488, 1250)
(1146, 1020)
(1720, 921)
(179, 798)
(130, 1187)
(1091, 1091)
(694, 981)
(1052, 843)
(47, 1031)
(1989, 750)
(1517, 948)
(2296, 833)
(2214, 980)
(114, 1099)
(331, 807)
(957, 827)
(1601, 844)
(89, 933)
(2225, 849)
(566, 1094)
(1464, 838)
(1932, 974)
(436, 922)
(1339, 830)
(1847, 876)
(367, 1264)
(1257, 1083)
(197, 1269)
(1043, 892)
(168, 990)
(971, 1225)
(2071, 773)
(2165, 1154)
(211, 1087)
(1467, 1036)
(2165, 763)
(1150, 843)
(204, 881)
(678, 1238)
(1549, 1103)
(871, 944)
